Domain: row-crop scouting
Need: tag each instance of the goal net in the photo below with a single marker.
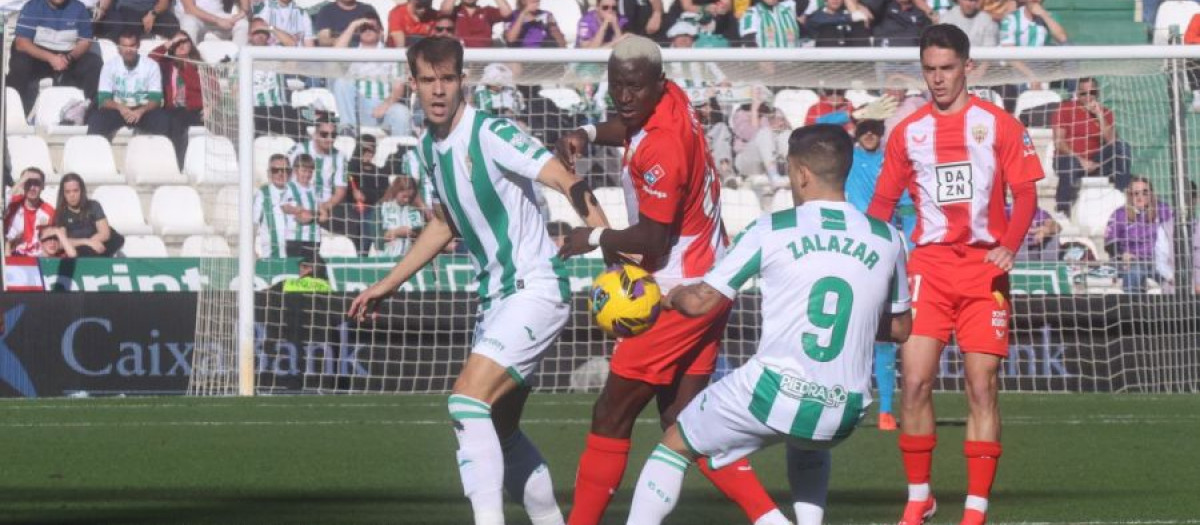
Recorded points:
(1091, 312)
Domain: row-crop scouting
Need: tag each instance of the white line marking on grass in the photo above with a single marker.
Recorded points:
(284, 423)
(102, 404)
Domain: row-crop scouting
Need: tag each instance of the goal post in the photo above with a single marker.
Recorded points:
(1073, 329)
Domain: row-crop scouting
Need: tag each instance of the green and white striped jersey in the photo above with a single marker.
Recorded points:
(268, 89)
(1018, 30)
(330, 172)
(493, 102)
(130, 87)
(827, 274)
(303, 197)
(373, 80)
(484, 173)
(771, 26)
(392, 216)
(272, 222)
(410, 164)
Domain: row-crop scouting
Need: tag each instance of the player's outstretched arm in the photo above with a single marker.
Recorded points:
(435, 236)
(648, 238)
(554, 175)
(694, 300)
(573, 143)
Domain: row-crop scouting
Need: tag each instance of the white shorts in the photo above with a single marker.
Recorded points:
(747, 410)
(517, 329)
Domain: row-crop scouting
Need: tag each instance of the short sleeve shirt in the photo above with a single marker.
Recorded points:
(56, 29)
(336, 19)
(475, 28)
(131, 87)
(1079, 127)
(82, 224)
(401, 19)
(1019, 30)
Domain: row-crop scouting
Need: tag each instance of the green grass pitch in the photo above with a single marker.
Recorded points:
(1086, 458)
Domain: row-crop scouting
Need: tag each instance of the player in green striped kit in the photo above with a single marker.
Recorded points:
(809, 383)
(483, 169)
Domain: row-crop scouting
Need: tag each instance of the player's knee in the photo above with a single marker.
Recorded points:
(917, 386)
(466, 407)
(981, 391)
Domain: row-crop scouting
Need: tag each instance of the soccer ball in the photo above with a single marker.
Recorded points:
(625, 300)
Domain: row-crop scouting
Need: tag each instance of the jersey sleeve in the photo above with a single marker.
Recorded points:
(742, 262)
(899, 299)
(1016, 155)
(339, 172)
(503, 142)
(257, 210)
(894, 177)
(660, 177)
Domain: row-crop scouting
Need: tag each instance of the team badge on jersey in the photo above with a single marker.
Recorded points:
(980, 133)
(1029, 149)
(654, 174)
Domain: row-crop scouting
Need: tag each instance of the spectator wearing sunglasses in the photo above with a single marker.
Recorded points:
(329, 166)
(1138, 238)
(601, 26)
(1086, 144)
(533, 27)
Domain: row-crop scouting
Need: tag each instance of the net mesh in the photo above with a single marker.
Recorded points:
(1075, 329)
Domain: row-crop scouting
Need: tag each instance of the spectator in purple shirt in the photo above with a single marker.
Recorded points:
(600, 26)
(1132, 234)
(532, 27)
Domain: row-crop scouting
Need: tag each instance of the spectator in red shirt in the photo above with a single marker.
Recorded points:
(1086, 144)
(474, 23)
(409, 21)
(26, 214)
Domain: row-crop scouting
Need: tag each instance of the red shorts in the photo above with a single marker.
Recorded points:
(954, 290)
(675, 346)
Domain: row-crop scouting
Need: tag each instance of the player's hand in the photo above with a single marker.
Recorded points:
(575, 243)
(569, 147)
(366, 303)
(1001, 257)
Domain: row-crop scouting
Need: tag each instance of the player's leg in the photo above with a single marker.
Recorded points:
(737, 481)
(658, 486)
(526, 475)
(606, 451)
(481, 384)
(808, 475)
(918, 369)
(982, 447)
(885, 378)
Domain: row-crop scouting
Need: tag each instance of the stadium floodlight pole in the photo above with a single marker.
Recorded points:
(245, 290)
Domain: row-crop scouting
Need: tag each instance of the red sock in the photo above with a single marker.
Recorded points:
(600, 470)
(918, 456)
(738, 482)
(982, 457)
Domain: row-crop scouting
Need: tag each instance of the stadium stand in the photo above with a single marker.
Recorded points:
(214, 51)
(205, 246)
(14, 115)
(48, 109)
(144, 246)
(211, 160)
(1172, 21)
(337, 246)
(794, 104)
(31, 150)
(1097, 200)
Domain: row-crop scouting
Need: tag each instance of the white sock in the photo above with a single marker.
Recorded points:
(658, 487)
(527, 479)
(977, 503)
(808, 475)
(775, 517)
(480, 461)
(918, 492)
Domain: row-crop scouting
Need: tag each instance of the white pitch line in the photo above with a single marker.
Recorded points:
(89, 404)
(349, 422)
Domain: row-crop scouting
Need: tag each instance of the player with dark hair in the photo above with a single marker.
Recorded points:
(483, 169)
(957, 156)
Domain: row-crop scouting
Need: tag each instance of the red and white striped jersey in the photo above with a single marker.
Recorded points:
(668, 176)
(956, 167)
(22, 225)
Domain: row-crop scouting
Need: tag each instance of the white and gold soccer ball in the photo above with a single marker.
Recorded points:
(625, 300)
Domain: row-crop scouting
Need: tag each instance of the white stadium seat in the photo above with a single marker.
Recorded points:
(782, 200)
(211, 160)
(223, 214)
(738, 209)
(50, 194)
(859, 98)
(1097, 201)
(30, 151)
(612, 201)
(150, 160)
(15, 114)
(205, 246)
(560, 208)
(566, 15)
(91, 156)
(214, 51)
(177, 210)
(1172, 19)
(123, 209)
(794, 104)
(147, 46)
(264, 147)
(1034, 98)
(345, 145)
(337, 246)
(47, 111)
(108, 50)
(144, 246)
(388, 145)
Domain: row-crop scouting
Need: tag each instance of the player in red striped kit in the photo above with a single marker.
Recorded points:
(673, 195)
(957, 156)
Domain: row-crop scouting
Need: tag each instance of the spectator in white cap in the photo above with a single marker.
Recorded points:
(497, 94)
(693, 77)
